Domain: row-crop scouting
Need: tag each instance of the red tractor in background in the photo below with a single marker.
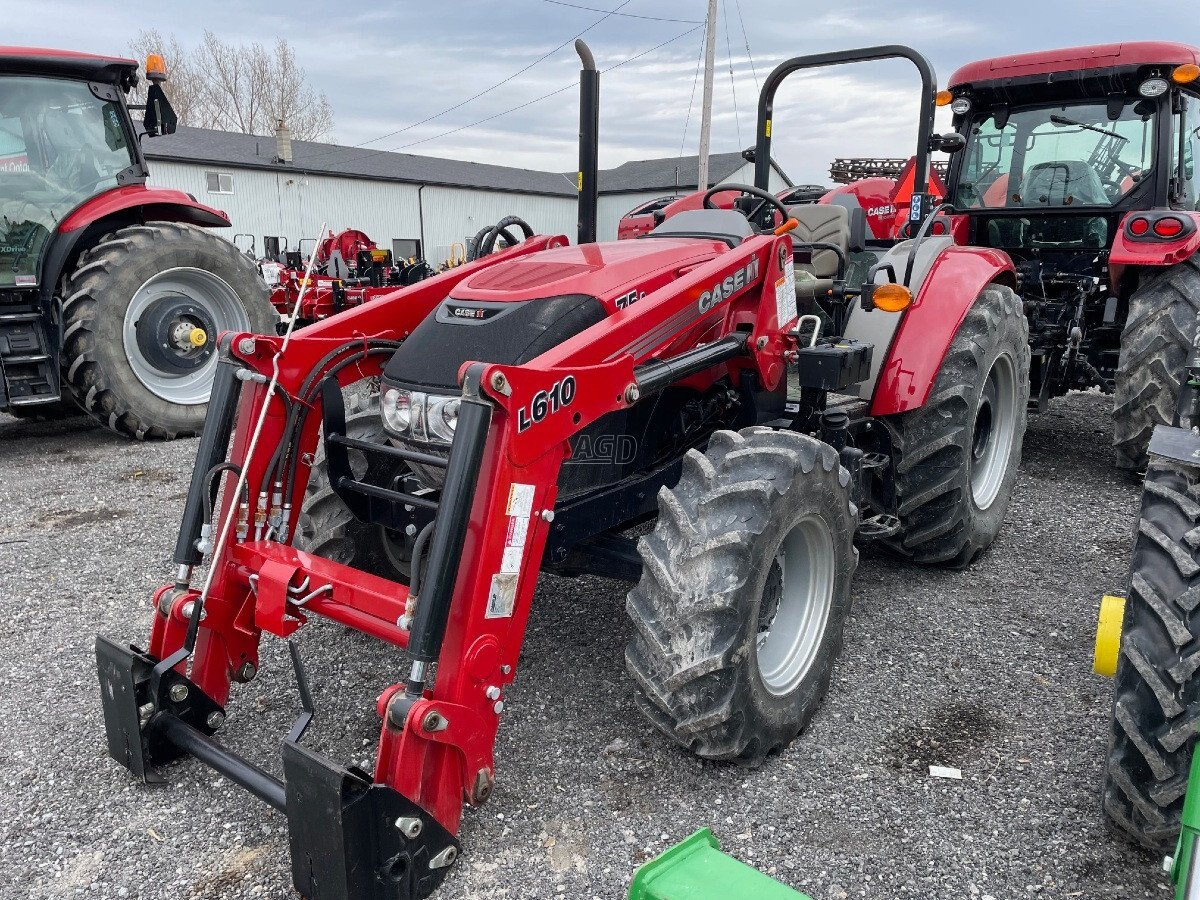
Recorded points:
(1080, 165)
(532, 408)
(112, 293)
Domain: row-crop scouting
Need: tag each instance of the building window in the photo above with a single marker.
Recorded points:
(219, 182)
(406, 248)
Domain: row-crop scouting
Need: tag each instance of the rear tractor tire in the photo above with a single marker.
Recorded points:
(1156, 704)
(1155, 345)
(744, 593)
(327, 528)
(956, 457)
(142, 314)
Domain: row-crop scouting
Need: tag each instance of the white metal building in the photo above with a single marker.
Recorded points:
(415, 205)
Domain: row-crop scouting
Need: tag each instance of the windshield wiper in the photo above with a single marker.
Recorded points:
(1063, 120)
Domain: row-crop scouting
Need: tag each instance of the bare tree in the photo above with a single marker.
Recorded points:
(246, 88)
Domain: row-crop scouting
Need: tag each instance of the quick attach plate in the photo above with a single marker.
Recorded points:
(354, 840)
(125, 693)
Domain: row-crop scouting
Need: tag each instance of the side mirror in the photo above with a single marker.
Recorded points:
(947, 143)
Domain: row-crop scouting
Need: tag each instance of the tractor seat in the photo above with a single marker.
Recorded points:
(819, 223)
(725, 225)
(1061, 183)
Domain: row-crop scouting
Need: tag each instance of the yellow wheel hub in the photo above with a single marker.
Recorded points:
(1108, 636)
(198, 337)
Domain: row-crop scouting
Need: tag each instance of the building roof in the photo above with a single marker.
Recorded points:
(229, 148)
(1097, 56)
(671, 173)
(206, 146)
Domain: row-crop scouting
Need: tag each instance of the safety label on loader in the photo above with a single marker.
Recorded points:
(785, 293)
(502, 596)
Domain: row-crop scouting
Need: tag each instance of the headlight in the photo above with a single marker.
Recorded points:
(442, 415)
(397, 409)
(960, 106)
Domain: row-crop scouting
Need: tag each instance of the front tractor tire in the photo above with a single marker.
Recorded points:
(1156, 704)
(956, 457)
(1155, 344)
(142, 313)
(744, 593)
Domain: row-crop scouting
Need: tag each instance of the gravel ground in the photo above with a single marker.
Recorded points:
(987, 670)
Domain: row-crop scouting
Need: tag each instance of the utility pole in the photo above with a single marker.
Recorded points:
(710, 50)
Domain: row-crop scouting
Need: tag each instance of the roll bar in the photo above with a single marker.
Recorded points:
(918, 208)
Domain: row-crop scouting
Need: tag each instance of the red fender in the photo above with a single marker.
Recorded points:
(1128, 251)
(929, 325)
(160, 204)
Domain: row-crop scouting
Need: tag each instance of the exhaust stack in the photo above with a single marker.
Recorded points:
(589, 141)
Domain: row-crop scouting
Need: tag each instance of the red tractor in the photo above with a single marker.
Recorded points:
(112, 293)
(1080, 165)
(349, 269)
(532, 408)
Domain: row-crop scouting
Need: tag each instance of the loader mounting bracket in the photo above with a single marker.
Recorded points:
(127, 697)
(353, 839)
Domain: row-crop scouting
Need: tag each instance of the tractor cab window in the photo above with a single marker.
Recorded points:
(59, 146)
(1186, 142)
(1056, 157)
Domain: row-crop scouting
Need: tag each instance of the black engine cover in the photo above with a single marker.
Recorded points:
(461, 331)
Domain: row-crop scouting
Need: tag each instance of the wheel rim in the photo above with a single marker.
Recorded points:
(171, 328)
(993, 432)
(795, 606)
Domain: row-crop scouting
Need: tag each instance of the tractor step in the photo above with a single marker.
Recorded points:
(696, 869)
(28, 370)
(349, 838)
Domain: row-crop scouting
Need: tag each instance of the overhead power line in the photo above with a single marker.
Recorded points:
(746, 37)
(737, 122)
(624, 15)
(520, 106)
(569, 41)
(691, 101)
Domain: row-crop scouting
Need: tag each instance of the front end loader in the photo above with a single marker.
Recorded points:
(408, 467)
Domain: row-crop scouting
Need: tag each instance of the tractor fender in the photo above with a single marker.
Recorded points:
(1152, 251)
(157, 204)
(925, 330)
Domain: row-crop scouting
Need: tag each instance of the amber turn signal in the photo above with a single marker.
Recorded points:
(943, 98)
(1185, 74)
(891, 297)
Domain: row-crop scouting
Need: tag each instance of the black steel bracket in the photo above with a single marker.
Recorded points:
(130, 705)
(355, 840)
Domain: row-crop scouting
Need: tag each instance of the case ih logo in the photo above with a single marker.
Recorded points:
(886, 210)
(730, 285)
(470, 312)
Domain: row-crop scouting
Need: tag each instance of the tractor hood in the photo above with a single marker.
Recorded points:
(515, 311)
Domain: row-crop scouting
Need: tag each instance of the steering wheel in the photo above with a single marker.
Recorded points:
(765, 198)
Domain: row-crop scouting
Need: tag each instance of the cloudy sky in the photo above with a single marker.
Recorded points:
(388, 65)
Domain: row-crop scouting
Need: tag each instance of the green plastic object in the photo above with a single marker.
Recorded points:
(1186, 868)
(696, 869)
